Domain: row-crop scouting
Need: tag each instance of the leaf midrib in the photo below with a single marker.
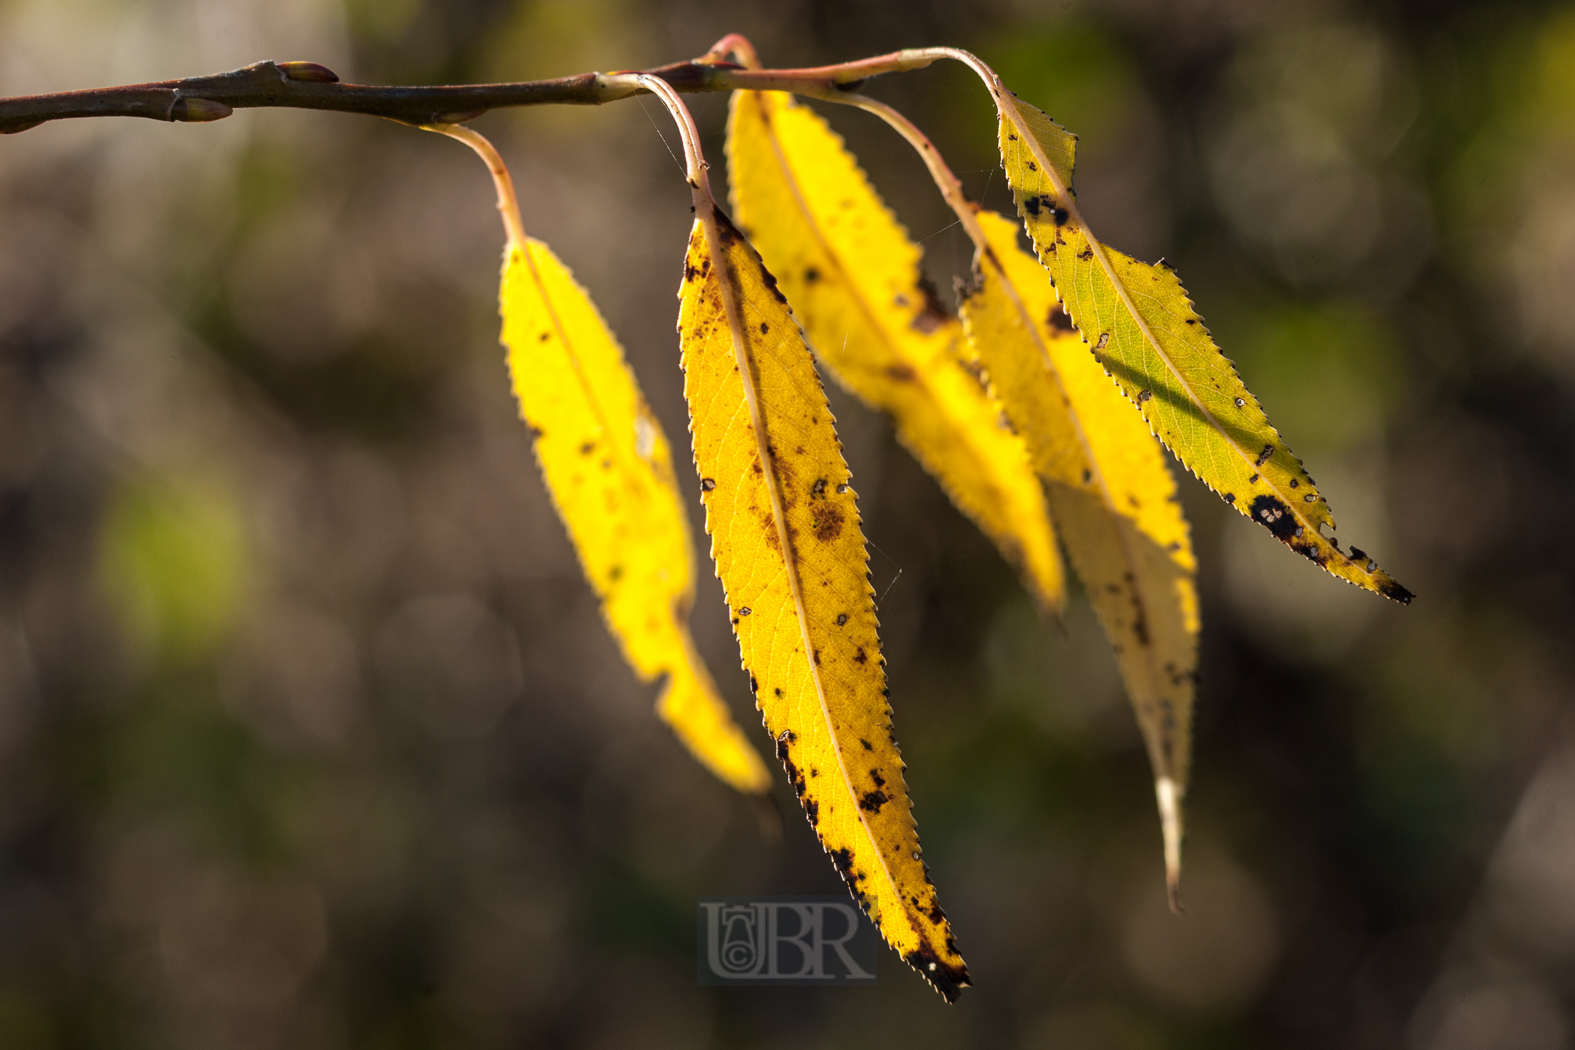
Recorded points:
(728, 284)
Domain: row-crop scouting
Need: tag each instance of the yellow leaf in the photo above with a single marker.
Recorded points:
(1148, 337)
(854, 280)
(610, 471)
(1112, 495)
(785, 535)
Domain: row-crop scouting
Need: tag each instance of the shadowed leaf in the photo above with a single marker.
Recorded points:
(1112, 496)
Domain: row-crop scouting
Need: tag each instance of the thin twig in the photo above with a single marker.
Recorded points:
(308, 85)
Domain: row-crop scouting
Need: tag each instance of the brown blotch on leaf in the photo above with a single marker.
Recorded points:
(827, 522)
(843, 859)
(902, 373)
(933, 313)
(872, 801)
(1059, 320)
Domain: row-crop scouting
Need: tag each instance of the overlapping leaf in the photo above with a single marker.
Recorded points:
(1111, 492)
(854, 280)
(609, 469)
(785, 535)
(1146, 334)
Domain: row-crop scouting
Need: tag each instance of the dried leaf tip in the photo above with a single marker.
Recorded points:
(1169, 796)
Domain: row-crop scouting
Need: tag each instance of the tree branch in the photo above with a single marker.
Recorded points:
(307, 85)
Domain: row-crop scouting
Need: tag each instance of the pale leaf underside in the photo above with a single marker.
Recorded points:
(1110, 491)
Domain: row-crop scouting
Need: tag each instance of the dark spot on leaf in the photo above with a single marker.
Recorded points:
(933, 313)
(879, 780)
(1263, 457)
(1144, 396)
(859, 657)
(586, 448)
(867, 745)
(1086, 254)
(827, 522)
(872, 801)
(1059, 321)
(1295, 484)
(812, 810)
(1229, 497)
(843, 859)
(1275, 516)
(842, 618)
(707, 484)
(902, 373)
(1060, 216)
(818, 489)
(615, 573)
(777, 692)
(764, 328)
(811, 275)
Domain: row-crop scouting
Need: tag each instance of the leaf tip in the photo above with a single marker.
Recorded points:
(1390, 588)
(946, 978)
(1168, 792)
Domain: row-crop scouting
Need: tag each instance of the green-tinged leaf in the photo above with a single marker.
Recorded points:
(853, 277)
(785, 535)
(609, 469)
(1146, 334)
(1111, 493)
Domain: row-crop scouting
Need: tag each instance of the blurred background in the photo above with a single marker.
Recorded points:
(311, 737)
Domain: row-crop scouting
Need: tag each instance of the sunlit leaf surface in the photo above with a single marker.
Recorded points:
(786, 538)
(610, 471)
(853, 277)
